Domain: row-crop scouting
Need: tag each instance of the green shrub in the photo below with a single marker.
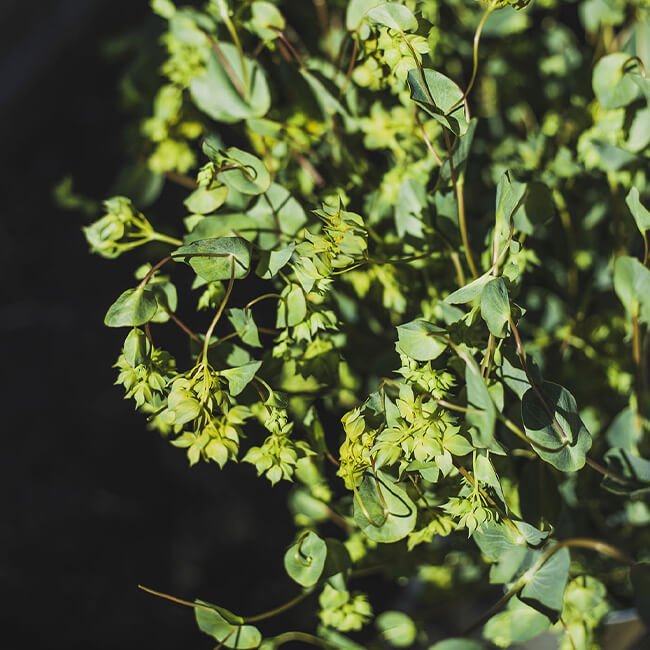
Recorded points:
(420, 232)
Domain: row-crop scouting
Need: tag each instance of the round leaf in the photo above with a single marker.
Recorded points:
(553, 425)
(216, 94)
(383, 509)
(203, 201)
(249, 177)
(304, 561)
(612, 87)
(517, 624)
(397, 628)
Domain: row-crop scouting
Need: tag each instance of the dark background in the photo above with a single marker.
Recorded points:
(93, 504)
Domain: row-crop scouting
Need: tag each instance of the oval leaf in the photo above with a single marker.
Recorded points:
(134, 307)
(397, 628)
(553, 425)
(216, 95)
(394, 16)
(612, 87)
(440, 97)
(495, 307)
(640, 213)
(217, 259)
(244, 172)
(419, 340)
(213, 623)
(383, 509)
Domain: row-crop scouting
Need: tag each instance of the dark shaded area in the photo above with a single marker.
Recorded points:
(94, 504)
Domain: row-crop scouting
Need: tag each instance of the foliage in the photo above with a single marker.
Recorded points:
(441, 210)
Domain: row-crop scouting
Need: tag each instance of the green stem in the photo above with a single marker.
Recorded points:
(280, 609)
(220, 310)
(477, 40)
(457, 183)
(301, 637)
(182, 180)
(265, 296)
(157, 236)
(225, 16)
(145, 281)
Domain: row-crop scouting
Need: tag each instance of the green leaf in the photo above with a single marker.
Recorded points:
(356, 11)
(612, 86)
(440, 97)
(215, 624)
(625, 430)
(516, 624)
(553, 426)
(238, 378)
(338, 640)
(292, 307)
(460, 153)
(134, 307)
(272, 261)
(632, 285)
(217, 259)
(640, 213)
(327, 102)
(223, 225)
(421, 340)
(394, 16)
(513, 377)
(304, 561)
(215, 94)
(486, 473)
(495, 539)
(510, 197)
(203, 201)
(482, 416)
(397, 628)
(242, 321)
(411, 201)
(495, 307)
(634, 469)
(166, 297)
(536, 209)
(266, 19)
(470, 291)
(382, 509)
(457, 644)
(249, 176)
(338, 558)
(277, 210)
(545, 589)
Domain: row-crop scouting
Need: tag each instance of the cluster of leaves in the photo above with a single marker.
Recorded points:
(441, 210)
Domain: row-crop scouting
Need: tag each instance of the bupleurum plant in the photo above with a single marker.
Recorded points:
(440, 210)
